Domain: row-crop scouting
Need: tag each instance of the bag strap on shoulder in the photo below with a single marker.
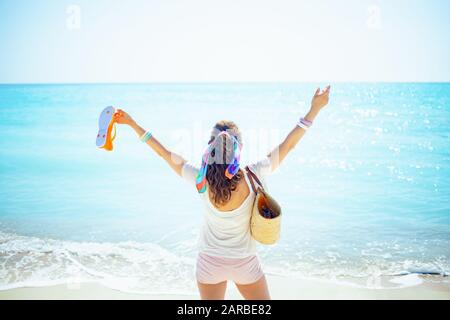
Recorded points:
(252, 177)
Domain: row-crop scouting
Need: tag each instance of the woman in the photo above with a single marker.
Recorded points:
(227, 250)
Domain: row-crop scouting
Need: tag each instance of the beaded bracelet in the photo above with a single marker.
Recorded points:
(304, 124)
(146, 136)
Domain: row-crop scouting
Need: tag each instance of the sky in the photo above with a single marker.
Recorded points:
(59, 41)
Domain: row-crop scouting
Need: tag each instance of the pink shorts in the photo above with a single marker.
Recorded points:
(212, 270)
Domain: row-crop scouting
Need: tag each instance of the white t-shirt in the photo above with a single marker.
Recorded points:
(227, 233)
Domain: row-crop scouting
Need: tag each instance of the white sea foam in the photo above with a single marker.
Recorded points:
(150, 268)
(407, 280)
(128, 266)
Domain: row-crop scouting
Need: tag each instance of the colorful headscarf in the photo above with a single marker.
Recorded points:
(232, 168)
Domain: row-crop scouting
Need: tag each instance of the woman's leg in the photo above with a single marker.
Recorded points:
(212, 291)
(255, 291)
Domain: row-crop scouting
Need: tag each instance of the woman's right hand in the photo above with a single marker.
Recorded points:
(320, 98)
(122, 117)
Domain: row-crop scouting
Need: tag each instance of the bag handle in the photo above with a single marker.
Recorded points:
(252, 177)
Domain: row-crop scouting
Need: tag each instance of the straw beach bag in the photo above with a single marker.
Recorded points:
(266, 213)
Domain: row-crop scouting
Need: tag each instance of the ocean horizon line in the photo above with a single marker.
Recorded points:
(215, 83)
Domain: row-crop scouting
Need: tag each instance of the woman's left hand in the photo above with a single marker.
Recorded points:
(122, 117)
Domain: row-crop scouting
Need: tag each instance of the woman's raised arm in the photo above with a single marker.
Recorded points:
(175, 161)
(319, 100)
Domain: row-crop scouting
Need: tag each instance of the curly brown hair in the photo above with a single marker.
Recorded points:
(220, 186)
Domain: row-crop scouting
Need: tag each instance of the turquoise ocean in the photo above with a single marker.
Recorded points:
(365, 194)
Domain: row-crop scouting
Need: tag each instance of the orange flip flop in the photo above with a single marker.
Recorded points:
(106, 123)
